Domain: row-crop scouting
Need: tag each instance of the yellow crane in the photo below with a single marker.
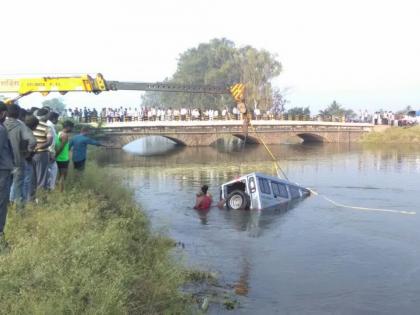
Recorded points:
(98, 84)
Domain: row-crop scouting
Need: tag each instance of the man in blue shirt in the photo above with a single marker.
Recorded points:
(78, 145)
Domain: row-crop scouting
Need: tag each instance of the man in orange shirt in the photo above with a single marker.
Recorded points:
(203, 200)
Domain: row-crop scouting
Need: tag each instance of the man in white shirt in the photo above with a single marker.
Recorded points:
(183, 113)
(235, 113)
(52, 167)
(215, 114)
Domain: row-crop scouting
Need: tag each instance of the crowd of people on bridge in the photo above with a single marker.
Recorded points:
(128, 114)
(33, 156)
(123, 114)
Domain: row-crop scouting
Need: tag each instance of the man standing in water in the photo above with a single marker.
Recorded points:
(78, 145)
(203, 200)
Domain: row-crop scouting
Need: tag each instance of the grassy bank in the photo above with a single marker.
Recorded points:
(89, 251)
(395, 135)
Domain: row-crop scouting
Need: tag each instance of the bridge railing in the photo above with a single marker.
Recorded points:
(286, 117)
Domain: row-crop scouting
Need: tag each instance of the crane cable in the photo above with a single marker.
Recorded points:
(315, 193)
(275, 161)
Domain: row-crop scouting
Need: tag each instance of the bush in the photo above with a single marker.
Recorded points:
(396, 135)
(88, 251)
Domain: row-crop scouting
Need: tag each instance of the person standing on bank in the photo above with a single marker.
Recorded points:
(6, 166)
(31, 122)
(78, 146)
(62, 149)
(22, 141)
(52, 166)
(41, 159)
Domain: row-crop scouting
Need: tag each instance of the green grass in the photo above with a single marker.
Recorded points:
(395, 135)
(89, 251)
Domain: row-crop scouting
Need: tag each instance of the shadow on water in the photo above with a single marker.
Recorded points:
(254, 223)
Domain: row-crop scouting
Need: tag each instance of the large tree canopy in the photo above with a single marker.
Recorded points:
(335, 109)
(299, 111)
(221, 63)
(56, 104)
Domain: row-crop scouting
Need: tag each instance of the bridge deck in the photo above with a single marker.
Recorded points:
(199, 133)
(206, 123)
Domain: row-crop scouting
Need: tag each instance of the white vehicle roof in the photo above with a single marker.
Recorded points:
(261, 175)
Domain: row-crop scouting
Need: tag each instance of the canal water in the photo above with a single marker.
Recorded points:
(313, 258)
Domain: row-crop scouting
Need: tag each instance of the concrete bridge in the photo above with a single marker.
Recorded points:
(204, 133)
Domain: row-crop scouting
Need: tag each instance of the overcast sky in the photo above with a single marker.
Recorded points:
(364, 54)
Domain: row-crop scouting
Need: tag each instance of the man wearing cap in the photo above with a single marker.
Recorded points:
(6, 166)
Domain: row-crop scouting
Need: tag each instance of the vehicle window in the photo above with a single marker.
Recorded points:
(251, 183)
(275, 188)
(264, 186)
(279, 189)
(294, 192)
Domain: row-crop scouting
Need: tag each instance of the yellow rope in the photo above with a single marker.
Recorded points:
(337, 204)
(275, 161)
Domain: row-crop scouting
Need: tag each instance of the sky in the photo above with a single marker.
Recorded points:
(363, 54)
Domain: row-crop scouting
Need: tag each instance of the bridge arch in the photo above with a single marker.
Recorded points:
(176, 140)
(247, 138)
(122, 141)
(311, 137)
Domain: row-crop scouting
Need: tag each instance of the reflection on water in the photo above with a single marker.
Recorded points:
(152, 145)
(308, 257)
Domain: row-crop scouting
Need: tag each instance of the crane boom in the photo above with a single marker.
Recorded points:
(86, 83)
(166, 87)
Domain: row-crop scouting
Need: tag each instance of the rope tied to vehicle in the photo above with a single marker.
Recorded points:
(340, 205)
(315, 193)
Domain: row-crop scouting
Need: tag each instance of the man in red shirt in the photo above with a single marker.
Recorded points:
(203, 200)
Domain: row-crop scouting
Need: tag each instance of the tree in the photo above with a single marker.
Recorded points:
(210, 63)
(220, 63)
(258, 68)
(279, 101)
(403, 111)
(299, 111)
(335, 109)
(55, 104)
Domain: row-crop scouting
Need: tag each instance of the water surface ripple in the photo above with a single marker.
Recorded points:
(310, 259)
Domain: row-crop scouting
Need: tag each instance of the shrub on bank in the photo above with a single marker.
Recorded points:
(395, 135)
(89, 251)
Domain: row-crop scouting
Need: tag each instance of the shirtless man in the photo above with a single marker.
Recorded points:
(203, 199)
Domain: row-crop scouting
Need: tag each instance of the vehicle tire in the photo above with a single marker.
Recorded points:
(237, 200)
